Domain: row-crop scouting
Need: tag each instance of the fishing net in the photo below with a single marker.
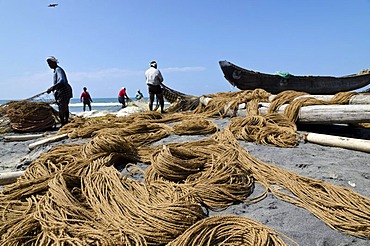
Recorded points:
(25, 116)
(34, 114)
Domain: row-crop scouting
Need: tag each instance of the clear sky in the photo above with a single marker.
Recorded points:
(107, 44)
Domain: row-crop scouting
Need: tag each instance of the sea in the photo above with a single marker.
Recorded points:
(104, 106)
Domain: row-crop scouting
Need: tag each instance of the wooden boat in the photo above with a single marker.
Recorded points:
(248, 80)
(172, 95)
(179, 101)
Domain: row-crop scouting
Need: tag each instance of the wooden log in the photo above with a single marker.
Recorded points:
(315, 114)
(328, 114)
(356, 99)
(23, 137)
(10, 177)
(47, 140)
(336, 141)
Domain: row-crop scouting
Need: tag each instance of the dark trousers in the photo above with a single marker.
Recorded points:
(122, 100)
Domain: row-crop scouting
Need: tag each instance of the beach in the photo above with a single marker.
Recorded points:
(342, 167)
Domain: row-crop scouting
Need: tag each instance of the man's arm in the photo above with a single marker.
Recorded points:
(50, 89)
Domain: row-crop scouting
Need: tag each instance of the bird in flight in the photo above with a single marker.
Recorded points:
(52, 5)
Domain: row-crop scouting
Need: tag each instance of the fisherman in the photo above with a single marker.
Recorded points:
(61, 88)
(85, 98)
(139, 95)
(154, 79)
(122, 96)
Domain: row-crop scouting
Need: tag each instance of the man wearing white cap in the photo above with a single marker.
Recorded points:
(154, 79)
(61, 88)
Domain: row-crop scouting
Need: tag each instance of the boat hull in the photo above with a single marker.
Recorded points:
(245, 79)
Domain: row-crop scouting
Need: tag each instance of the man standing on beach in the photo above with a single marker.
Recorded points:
(154, 79)
(85, 98)
(61, 88)
(122, 96)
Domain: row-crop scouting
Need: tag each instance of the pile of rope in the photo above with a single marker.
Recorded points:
(4, 122)
(270, 129)
(222, 103)
(74, 195)
(228, 230)
(340, 208)
(194, 126)
(294, 103)
(25, 116)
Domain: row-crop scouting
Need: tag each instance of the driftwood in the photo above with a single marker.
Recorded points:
(356, 99)
(315, 114)
(10, 177)
(47, 140)
(336, 141)
(23, 137)
(328, 114)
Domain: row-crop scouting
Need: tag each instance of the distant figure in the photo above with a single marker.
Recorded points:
(139, 95)
(154, 79)
(61, 88)
(122, 97)
(85, 98)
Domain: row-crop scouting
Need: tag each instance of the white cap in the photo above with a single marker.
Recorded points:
(52, 58)
(153, 63)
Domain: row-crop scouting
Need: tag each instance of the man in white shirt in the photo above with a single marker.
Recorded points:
(154, 79)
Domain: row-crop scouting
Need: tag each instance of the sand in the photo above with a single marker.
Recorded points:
(343, 167)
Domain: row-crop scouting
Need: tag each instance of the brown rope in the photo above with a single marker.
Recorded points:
(270, 129)
(73, 195)
(29, 116)
(230, 230)
(195, 125)
(284, 97)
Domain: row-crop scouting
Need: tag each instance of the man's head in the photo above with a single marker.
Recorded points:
(153, 64)
(52, 61)
(85, 89)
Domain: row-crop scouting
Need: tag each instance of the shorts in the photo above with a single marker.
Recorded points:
(63, 93)
(86, 102)
(155, 89)
(121, 99)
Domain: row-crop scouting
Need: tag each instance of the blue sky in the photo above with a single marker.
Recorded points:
(107, 44)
